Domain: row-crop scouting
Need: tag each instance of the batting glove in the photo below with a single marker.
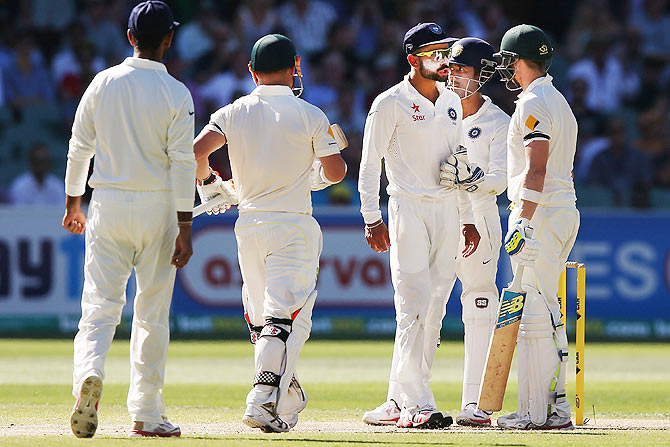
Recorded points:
(210, 188)
(519, 242)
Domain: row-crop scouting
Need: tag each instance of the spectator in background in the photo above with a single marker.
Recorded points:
(608, 83)
(592, 19)
(219, 89)
(199, 37)
(255, 19)
(653, 22)
(38, 186)
(307, 23)
(330, 74)
(26, 80)
(621, 168)
(107, 36)
(365, 21)
(590, 126)
(75, 56)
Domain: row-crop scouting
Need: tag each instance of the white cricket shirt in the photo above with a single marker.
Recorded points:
(542, 113)
(273, 137)
(413, 136)
(138, 122)
(485, 137)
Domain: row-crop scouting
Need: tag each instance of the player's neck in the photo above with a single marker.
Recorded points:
(472, 104)
(527, 78)
(426, 87)
(156, 55)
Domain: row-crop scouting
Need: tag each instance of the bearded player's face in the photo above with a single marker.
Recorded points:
(434, 70)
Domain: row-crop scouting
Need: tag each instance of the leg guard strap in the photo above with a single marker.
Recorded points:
(273, 320)
(254, 331)
(272, 330)
(267, 378)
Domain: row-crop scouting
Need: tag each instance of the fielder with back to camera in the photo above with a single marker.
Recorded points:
(138, 122)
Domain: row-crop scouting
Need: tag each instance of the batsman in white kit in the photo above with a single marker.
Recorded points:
(138, 122)
(543, 224)
(482, 172)
(280, 147)
(415, 126)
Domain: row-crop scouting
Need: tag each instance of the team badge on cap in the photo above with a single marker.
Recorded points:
(456, 50)
(435, 28)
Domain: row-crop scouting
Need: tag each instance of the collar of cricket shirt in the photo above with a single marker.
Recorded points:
(139, 62)
(272, 90)
(414, 93)
(478, 113)
(541, 80)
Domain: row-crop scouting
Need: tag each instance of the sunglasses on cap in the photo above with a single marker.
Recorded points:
(436, 55)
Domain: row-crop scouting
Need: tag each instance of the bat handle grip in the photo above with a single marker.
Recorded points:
(518, 275)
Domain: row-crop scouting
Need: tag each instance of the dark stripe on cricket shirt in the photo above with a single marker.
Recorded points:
(536, 135)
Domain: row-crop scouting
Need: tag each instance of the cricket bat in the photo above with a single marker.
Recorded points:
(501, 347)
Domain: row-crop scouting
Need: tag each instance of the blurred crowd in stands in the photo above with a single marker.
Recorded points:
(612, 62)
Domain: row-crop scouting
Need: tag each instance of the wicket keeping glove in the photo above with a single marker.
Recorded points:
(519, 242)
(459, 172)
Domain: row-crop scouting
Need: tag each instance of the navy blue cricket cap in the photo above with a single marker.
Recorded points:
(151, 19)
(471, 52)
(425, 34)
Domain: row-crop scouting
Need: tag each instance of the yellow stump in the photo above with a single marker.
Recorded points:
(580, 319)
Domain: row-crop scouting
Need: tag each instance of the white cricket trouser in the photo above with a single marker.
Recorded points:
(279, 259)
(126, 230)
(479, 298)
(424, 244)
(541, 333)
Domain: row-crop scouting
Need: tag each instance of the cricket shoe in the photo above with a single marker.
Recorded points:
(427, 418)
(84, 419)
(385, 414)
(265, 418)
(471, 416)
(165, 429)
(554, 422)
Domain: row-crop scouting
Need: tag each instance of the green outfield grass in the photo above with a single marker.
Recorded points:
(207, 382)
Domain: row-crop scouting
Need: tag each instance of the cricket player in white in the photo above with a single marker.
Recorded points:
(414, 126)
(543, 224)
(273, 138)
(138, 122)
(471, 65)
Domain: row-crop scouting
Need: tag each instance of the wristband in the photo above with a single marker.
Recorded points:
(530, 194)
(375, 225)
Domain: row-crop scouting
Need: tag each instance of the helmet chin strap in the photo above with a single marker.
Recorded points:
(297, 91)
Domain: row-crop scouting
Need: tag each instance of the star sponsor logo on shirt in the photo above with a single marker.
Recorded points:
(452, 113)
(416, 110)
(474, 132)
(532, 122)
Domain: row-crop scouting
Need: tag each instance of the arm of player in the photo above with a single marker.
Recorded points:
(537, 154)
(182, 173)
(495, 180)
(81, 150)
(204, 145)
(379, 128)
